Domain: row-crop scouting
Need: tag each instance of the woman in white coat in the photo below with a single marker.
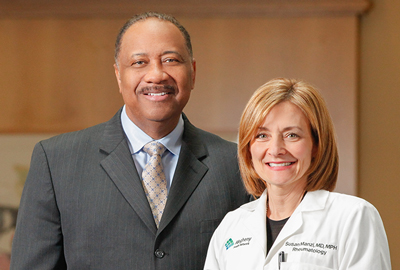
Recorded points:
(288, 160)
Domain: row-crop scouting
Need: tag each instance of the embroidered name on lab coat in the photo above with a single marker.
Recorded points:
(318, 248)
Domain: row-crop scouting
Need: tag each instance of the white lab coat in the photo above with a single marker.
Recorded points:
(326, 231)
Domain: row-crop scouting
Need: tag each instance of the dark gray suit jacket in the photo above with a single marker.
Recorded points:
(83, 204)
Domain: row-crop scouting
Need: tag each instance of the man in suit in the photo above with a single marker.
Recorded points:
(84, 205)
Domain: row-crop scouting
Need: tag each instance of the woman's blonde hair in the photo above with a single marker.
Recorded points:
(323, 170)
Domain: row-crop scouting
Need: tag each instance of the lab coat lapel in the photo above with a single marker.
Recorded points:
(256, 223)
(312, 201)
(120, 167)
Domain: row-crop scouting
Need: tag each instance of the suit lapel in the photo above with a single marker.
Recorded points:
(120, 167)
(188, 173)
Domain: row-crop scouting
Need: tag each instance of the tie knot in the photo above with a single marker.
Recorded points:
(154, 148)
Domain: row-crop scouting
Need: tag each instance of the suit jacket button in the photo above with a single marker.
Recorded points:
(159, 253)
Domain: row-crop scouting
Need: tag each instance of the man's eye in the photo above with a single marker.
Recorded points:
(137, 63)
(171, 60)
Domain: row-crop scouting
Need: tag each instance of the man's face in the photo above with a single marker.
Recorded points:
(155, 73)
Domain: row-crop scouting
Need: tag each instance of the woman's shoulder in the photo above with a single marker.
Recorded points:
(347, 200)
(244, 210)
(235, 218)
(344, 202)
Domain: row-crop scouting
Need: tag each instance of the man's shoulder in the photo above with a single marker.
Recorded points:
(93, 134)
(216, 139)
(76, 136)
(214, 145)
(209, 139)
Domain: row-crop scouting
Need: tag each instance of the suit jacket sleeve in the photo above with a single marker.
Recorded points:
(38, 239)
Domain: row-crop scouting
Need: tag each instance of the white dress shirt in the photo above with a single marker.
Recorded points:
(137, 139)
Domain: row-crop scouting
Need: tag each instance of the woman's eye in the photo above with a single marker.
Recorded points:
(261, 136)
(292, 136)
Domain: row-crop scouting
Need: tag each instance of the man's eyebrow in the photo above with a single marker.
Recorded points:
(138, 54)
(164, 53)
(174, 52)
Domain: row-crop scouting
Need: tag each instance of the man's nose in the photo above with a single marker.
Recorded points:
(155, 73)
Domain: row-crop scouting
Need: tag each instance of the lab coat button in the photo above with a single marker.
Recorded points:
(159, 253)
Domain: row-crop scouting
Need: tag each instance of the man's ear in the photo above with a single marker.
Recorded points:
(118, 76)
(193, 72)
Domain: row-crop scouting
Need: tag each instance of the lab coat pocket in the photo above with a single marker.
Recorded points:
(302, 266)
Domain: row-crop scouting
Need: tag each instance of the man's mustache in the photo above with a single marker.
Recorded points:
(157, 88)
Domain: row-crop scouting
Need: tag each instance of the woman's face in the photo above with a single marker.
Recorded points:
(282, 148)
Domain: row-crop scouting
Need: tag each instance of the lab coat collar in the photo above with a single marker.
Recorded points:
(257, 225)
(312, 201)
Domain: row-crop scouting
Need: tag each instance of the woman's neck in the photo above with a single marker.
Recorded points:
(281, 202)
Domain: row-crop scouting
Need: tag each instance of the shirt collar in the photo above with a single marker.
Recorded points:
(137, 138)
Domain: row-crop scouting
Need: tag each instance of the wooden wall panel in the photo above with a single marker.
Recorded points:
(202, 8)
(236, 56)
(57, 75)
(57, 72)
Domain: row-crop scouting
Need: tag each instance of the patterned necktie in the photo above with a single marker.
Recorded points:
(154, 182)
